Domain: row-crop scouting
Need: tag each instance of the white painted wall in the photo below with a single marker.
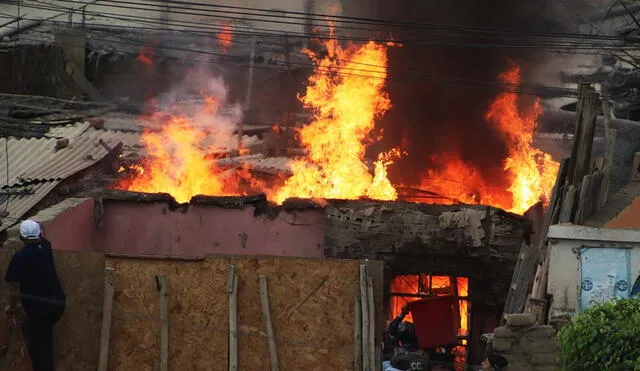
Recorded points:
(564, 263)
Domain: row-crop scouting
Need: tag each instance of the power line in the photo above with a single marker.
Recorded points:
(551, 48)
(555, 47)
(339, 72)
(328, 18)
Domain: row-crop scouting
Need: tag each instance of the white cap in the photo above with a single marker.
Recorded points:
(30, 229)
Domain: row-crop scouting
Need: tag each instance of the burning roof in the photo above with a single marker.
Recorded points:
(346, 96)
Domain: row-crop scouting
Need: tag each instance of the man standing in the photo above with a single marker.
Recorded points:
(32, 271)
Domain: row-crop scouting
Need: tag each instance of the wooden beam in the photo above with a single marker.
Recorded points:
(365, 317)
(109, 289)
(357, 335)
(566, 211)
(161, 281)
(585, 129)
(372, 325)
(232, 290)
(609, 158)
(266, 315)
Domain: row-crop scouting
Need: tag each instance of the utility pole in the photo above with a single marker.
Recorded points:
(247, 100)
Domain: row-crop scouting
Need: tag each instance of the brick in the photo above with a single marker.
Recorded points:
(505, 332)
(545, 359)
(548, 346)
(521, 319)
(541, 335)
(502, 345)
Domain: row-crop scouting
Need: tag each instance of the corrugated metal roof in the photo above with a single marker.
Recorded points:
(37, 166)
(16, 205)
(32, 160)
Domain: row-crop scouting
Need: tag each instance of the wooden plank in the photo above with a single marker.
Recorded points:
(566, 211)
(635, 168)
(551, 217)
(584, 141)
(161, 280)
(109, 289)
(583, 208)
(372, 325)
(365, 317)
(81, 82)
(232, 289)
(522, 276)
(609, 159)
(357, 336)
(266, 315)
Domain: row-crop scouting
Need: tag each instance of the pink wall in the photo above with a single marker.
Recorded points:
(150, 228)
(72, 229)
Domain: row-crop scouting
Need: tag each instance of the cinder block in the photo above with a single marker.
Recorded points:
(502, 345)
(520, 319)
(505, 332)
(544, 359)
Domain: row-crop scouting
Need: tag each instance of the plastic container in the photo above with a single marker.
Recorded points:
(436, 321)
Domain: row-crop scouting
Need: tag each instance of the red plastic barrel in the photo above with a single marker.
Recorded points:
(436, 320)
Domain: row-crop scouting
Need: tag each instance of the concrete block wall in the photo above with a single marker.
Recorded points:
(526, 345)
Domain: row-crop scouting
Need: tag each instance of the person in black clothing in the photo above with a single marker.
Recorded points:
(32, 271)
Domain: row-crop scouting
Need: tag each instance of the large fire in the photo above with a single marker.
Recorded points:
(531, 172)
(345, 106)
(345, 96)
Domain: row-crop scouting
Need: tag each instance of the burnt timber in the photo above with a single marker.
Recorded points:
(475, 241)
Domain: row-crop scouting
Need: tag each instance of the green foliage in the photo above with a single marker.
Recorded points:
(604, 337)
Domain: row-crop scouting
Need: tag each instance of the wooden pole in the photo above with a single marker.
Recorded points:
(266, 315)
(583, 140)
(232, 290)
(357, 335)
(247, 99)
(372, 325)
(109, 288)
(161, 281)
(365, 317)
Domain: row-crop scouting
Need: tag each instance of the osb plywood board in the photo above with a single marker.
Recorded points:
(312, 303)
(77, 335)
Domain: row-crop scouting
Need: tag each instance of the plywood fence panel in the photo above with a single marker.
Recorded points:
(77, 335)
(311, 306)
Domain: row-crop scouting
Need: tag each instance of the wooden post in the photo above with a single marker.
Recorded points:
(583, 139)
(161, 281)
(357, 335)
(539, 286)
(109, 287)
(266, 315)
(232, 290)
(372, 325)
(247, 99)
(365, 317)
(609, 158)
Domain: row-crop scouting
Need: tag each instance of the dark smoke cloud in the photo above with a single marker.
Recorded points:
(436, 114)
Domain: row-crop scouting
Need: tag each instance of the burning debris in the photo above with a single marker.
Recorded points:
(346, 96)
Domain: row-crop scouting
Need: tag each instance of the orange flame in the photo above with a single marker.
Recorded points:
(179, 161)
(531, 173)
(345, 106)
(225, 36)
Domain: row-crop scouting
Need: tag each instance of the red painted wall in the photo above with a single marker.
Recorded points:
(72, 229)
(150, 228)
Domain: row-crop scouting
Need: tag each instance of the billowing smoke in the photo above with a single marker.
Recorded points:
(441, 79)
(203, 98)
